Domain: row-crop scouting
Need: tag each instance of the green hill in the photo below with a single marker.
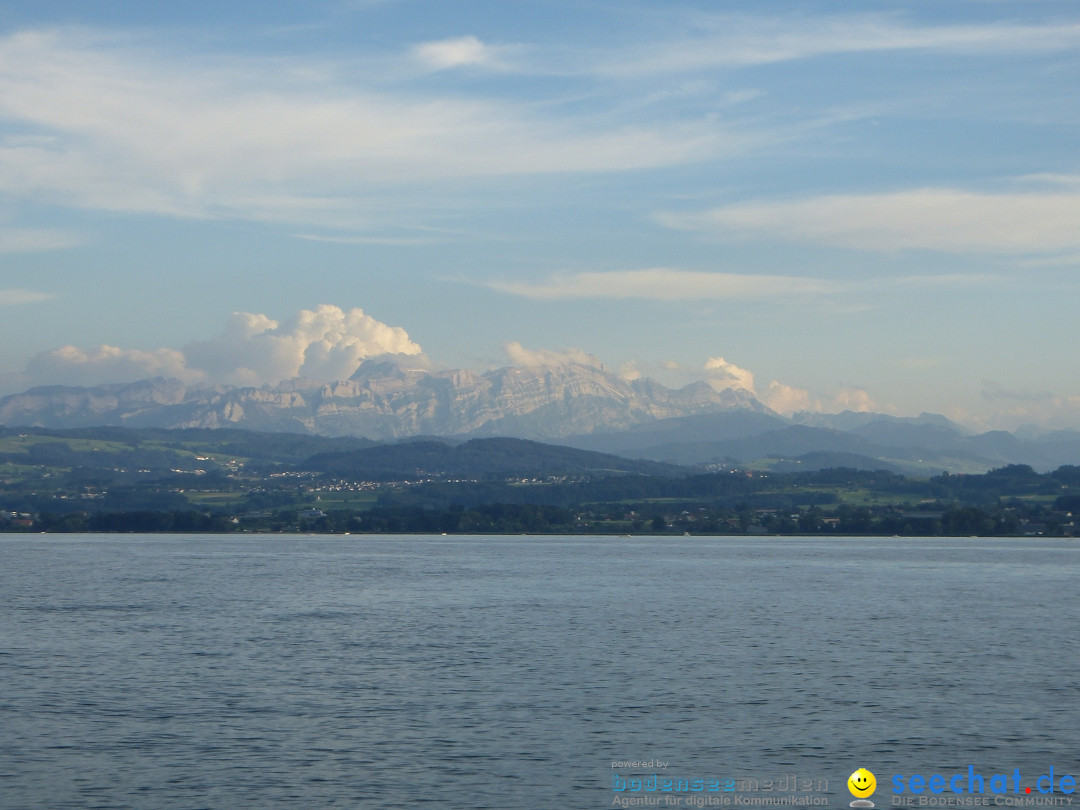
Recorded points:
(478, 458)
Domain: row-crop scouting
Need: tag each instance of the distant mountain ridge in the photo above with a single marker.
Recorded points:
(386, 398)
(582, 406)
(929, 443)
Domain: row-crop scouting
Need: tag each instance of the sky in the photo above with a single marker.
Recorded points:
(837, 205)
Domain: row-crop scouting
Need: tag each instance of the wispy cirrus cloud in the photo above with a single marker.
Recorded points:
(744, 40)
(1054, 179)
(993, 390)
(664, 283)
(16, 297)
(942, 219)
(125, 123)
(109, 122)
(675, 284)
(366, 240)
(34, 240)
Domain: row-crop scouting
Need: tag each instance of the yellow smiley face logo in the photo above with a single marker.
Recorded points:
(862, 783)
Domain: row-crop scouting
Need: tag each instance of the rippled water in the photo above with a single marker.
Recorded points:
(509, 672)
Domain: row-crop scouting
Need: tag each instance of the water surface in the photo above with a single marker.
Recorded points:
(509, 672)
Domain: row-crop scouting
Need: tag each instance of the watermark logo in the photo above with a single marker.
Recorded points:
(862, 785)
(639, 788)
(974, 789)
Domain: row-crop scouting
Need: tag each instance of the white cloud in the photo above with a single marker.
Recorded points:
(324, 344)
(780, 397)
(520, 356)
(664, 283)
(721, 374)
(15, 297)
(106, 123)
(457, 52)
(741, 40)
(930, 218)
(33, 240)
(993, 391)
(366, 240)
(328, 343)
(851, 399)
(1061, 260)
(788, 400)
(70, 365)
(1054, 179)
(673, 284)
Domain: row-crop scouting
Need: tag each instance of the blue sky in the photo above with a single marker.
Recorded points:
(838, 205)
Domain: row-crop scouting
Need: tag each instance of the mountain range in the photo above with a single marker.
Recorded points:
(386, 398)
(583, 406)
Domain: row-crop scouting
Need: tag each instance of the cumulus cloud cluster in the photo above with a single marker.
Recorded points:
(328, 343)
(787, 400)
(70, 365)
(531, 358)
(780, 397)
(721, 374)
(325, 344)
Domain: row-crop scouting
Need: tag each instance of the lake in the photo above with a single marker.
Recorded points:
(154, 671)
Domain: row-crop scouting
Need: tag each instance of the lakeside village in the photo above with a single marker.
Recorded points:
(226, 497)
